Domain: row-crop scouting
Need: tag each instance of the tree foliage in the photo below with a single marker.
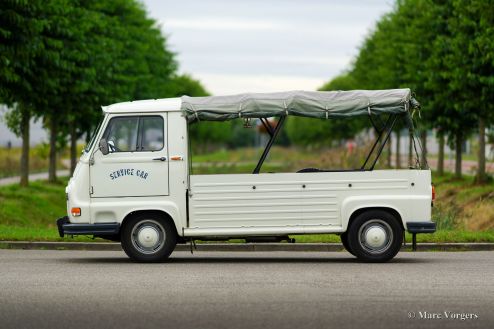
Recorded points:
(62, 59)
(444, 52)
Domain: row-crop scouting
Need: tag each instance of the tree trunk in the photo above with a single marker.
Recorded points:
(398, 155)
(440, 156)
(410, 150)
(25, 119)
(73, 148)
(459, 150)
(481, 176)
(390, 149)
(52, 167)
(423, 156)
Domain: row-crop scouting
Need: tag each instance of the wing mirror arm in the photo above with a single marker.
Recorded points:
(103, 146)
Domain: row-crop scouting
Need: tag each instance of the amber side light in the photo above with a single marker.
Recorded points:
(433, 192)
(76, 212)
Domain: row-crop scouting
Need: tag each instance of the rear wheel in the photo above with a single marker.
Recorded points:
(344, 241)
(375, 236)
(148, 237)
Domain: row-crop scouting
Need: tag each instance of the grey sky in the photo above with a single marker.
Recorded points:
(242, 46)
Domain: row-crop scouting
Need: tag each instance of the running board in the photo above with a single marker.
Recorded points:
(259, 231)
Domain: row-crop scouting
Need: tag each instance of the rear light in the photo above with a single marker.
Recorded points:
(433, 192)
(76, 212)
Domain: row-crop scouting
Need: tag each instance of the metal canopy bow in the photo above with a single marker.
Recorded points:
(314, 104)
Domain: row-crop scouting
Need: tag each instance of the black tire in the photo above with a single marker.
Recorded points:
(375, 236)
(344, 241)
(148, 237)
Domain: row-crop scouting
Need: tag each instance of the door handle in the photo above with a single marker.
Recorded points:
(160, 159)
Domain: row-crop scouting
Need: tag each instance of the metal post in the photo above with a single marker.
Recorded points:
(414, 241)
(266, 125)
(377, 140)
(381, 147)
(270, 143)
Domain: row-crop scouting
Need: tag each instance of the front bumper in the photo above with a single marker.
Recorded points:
(98, 229)
(421, 227)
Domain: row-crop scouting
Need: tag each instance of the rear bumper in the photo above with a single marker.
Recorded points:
(421, 227)
(99, 229)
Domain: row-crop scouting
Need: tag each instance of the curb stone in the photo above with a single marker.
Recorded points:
(265, 247)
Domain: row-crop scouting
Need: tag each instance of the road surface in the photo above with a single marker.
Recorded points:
(32, 177)
(103, 289)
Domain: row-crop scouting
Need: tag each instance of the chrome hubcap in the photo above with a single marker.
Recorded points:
(375, 236)
(148, 236)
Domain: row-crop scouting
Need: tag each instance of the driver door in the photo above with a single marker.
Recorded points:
(137, 164)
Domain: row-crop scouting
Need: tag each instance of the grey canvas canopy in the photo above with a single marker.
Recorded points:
(314, 104)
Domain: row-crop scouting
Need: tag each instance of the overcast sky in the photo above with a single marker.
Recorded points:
(270, 45)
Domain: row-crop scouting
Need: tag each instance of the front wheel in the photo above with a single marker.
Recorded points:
(344, 242)
(375, 236)
(148, 238)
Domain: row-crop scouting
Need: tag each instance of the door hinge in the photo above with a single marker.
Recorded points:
(91, 190)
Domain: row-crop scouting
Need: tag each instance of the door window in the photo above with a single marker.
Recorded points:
(131, 134)
(152, 133)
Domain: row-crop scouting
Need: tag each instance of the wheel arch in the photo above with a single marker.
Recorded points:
(388, 209)
(156, 212)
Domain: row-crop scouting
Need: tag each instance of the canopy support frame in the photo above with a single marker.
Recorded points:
(388, 128)
(273, 134)
(267, 125)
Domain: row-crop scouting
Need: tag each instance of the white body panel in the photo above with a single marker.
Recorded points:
(320, 202)
(229, 205)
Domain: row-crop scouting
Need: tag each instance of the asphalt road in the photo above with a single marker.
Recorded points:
(89, 289)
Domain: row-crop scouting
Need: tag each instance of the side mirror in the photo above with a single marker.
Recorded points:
(103, 146)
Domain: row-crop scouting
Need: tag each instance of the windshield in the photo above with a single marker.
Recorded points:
(93, 137)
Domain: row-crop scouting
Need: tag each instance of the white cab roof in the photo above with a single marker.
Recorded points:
(150, 105)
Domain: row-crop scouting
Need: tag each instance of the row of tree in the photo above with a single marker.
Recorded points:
(444, 51)
(60, 60)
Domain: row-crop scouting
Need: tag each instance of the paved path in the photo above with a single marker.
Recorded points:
(32, 177)
(103, 289)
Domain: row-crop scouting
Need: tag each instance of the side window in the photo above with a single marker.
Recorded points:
(152, 133)
(131, 134)
(121, 134)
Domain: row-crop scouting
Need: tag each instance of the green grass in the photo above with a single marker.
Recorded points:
(38, 160)
(30, 213)
(461, 205)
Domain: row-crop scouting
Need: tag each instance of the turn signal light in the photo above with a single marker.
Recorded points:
(433, 193)
(76, 212)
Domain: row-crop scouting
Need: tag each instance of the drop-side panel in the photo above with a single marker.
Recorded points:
(308, 200)
(245, 200)
(324, 192)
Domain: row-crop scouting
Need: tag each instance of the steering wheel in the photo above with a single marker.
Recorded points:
(112, 147)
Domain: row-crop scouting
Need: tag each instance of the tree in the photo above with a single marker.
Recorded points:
(471, 63)
(26, 46)
(62, 59)
(125, 57)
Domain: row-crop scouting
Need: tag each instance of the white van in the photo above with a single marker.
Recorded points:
(133, 182)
